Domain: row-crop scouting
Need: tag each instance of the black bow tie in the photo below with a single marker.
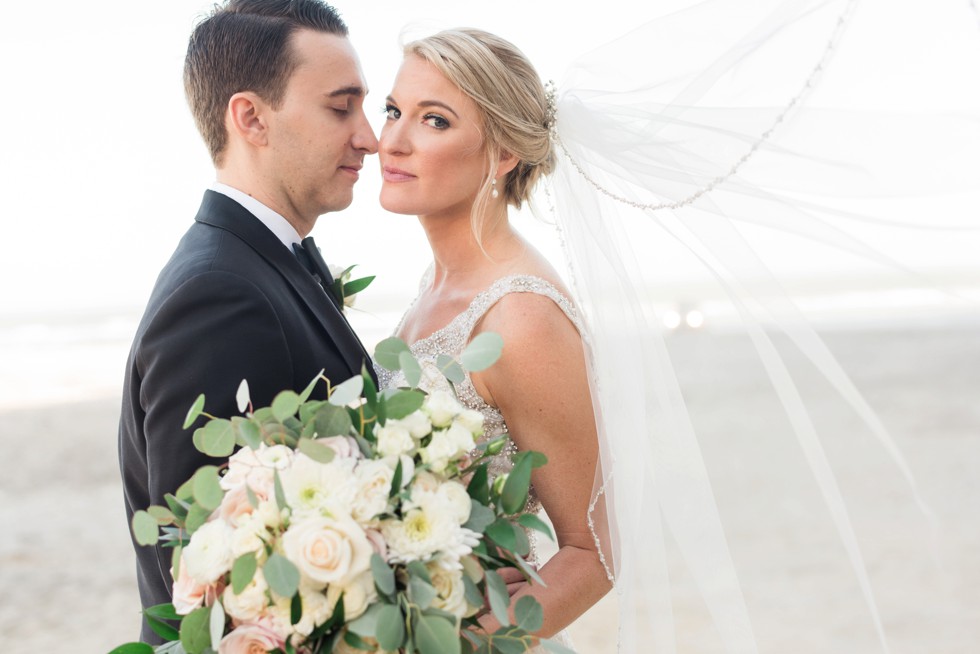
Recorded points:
(309, 255)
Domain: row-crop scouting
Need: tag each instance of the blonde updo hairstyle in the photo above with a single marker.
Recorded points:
(511, 98)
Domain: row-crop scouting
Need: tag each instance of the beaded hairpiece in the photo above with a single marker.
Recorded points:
(551, 106)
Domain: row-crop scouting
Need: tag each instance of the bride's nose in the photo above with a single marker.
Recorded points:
(394, 140)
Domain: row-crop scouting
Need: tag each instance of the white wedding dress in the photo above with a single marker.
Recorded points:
(452, 340)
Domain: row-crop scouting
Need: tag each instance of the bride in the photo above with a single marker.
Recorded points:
(466, 136)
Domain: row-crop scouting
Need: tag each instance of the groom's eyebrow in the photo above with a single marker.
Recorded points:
(348, 90)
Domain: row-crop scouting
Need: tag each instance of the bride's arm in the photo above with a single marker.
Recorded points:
(540, 386)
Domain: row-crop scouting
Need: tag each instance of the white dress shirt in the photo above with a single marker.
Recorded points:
(276, 223)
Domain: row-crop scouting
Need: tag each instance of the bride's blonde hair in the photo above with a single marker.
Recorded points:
(512, 100)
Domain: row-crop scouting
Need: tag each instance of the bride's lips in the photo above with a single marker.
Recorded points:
(396, 175)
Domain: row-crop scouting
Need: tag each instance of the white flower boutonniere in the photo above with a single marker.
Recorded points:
(345, 288)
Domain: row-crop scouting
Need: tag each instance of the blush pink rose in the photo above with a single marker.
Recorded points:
(189, 595)
(250, 638)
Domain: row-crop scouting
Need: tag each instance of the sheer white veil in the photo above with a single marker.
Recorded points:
(699, 131)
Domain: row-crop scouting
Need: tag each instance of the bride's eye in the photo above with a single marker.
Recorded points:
(435, 120)
(392, 112)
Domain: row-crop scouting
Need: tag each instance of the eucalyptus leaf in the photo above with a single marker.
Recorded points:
(435, 635)
(196, 517)
(216, 624)
(253, 499)
(308, 410)
(243, 571)
(355, 641)
(195, 632)
(217, 438)
(404, 403)
(347, 392)
(529, 614)
(481, 517)
(418, 569)
(498, 596)
(420, 592)
(207, 488)
(247, 432)
(173, 647)
(390, 632)
(178, 508)
(450, 368)
(482, 352)
(367, 624)
(133, 648)
(411, 368)
(557, 648)
(146, 529)
(396, 480)
(528, 570)
(502, 533)
(514, 496)
(473, 595)
(386, 353)
(505, 643)
(523, 545)
(281, 575)
(308, 391)
(316, 451)
(196, 410)
(332, 421)
(279, 492)
(285, 405)
(479, 486)
(532, 521)
(384, 577)
(242, 396)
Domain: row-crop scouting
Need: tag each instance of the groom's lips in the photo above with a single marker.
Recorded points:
(353, 170)
(396, 175)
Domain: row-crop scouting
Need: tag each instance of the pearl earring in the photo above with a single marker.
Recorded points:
(494, 194)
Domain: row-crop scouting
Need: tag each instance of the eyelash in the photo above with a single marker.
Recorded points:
(440, 122)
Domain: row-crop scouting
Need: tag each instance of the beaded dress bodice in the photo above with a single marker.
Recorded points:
(452, 340)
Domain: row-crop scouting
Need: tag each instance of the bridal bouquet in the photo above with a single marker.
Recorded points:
(365, 521)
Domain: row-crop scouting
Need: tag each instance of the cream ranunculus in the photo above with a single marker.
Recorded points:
(472, 421)
(358, 594)
(462, 438)
(374, 485)
(250, 639)
(343, 446)
(457, 500)
(394, 439)
(452, 591)
(440, 450)
(327, 550)
(250, 536)
(251, 603)
(209, 554)
(317, 609)
(441, 408)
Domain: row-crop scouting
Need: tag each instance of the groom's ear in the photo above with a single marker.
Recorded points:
(247, 117)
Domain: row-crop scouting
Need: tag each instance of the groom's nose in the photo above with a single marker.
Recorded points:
(363, 139)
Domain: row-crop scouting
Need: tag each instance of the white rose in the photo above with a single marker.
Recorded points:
(472, 420)
(344, 447)
(439, 451)
(441, 407)
(374, 484)
(425, 482)
(209, 555)
(249, 536)
(393, 439)
(250, 604)
(319, 489)
(245, 467)
(457, 500)
(418, 424)
(327, 550)
(317, 609)
(451, 591)
(358, 594)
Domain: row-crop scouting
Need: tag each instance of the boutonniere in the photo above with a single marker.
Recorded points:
(345, 288)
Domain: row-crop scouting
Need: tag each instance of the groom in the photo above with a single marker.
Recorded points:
(277, 93)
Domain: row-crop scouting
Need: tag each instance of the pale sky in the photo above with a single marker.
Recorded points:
(103, 169)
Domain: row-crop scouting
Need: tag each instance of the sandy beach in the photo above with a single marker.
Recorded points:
(67, 568)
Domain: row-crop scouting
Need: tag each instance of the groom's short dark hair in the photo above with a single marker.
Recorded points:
(244, 45)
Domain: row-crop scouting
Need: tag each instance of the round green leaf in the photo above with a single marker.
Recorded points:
(218, 438)
(242, 397)
(481, 517)
(388, 351)
(146, 529)
(482, 352)
(162, 515)
(316, 451)
(285, 405)
(332, 420)
(411, 368)
(435, 635)
(502, 533)
(207, 489)
(404, 403)
(247, 432)
(420, 592)
(281, 575)
(243, 571)
(450, 368)
(390, 630)
(529, 614)
(347, 392)
(384, 577)
(195, 631)
(498, 596)
(133, 648)
(196, 409)
(196, 516)
(367, 625)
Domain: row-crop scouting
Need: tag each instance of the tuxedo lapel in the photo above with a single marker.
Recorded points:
(224, 213)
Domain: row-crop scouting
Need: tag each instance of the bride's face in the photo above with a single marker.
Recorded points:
(433, 160)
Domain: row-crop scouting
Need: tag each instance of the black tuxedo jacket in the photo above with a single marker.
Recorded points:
(232, 303)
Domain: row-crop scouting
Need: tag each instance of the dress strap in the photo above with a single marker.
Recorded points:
(484, 301)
